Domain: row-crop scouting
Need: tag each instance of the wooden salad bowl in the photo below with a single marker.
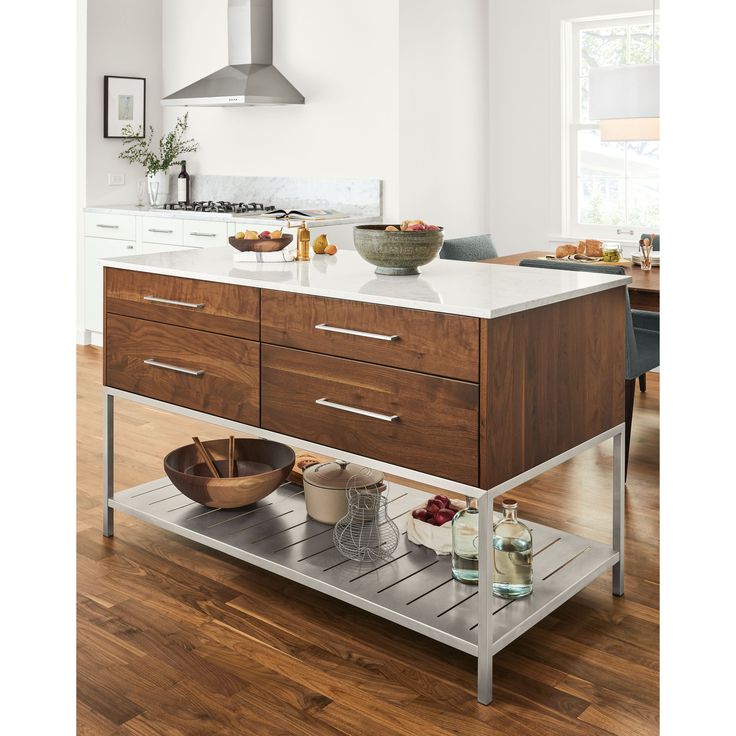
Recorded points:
(262, 466)
(260, 246)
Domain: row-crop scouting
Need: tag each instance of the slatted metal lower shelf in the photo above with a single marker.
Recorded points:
(414, 588)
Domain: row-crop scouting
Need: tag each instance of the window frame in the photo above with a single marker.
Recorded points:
(571, 125)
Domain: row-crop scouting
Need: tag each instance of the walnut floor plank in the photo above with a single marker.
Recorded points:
(237, 650)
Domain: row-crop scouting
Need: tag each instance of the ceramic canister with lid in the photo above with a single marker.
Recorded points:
(325, 484)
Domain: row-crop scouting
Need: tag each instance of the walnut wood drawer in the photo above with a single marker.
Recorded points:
(422, 422)
(430, 342)
(203, 305)
(212, 373)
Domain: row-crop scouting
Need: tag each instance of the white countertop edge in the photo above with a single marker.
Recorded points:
(336, 293)
(147, 211)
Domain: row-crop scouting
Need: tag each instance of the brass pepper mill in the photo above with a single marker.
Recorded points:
(303, 238)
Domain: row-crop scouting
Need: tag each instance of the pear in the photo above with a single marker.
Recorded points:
(276, 234)
(320, 243)
(240, 235)
(251, 235)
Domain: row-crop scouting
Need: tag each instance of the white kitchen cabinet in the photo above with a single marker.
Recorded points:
(160, 230)
(94, 249)
(203, 234)
(112, 227)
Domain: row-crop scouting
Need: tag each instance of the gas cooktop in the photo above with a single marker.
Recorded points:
(235, 208)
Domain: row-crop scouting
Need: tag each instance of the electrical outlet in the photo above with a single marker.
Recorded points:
(115, 180)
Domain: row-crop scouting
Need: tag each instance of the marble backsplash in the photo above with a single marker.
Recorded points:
(352, 196)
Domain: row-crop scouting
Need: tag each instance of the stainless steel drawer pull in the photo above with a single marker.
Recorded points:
(156, 230)
(204, 235)
(172, 302)
(357, 333)
(109, 227)
(175, 368)
(353, 410)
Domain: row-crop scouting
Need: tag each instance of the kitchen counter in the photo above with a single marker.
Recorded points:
(267, 222)
(451, 287)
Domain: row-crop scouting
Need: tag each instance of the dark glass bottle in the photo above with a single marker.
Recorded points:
(183, 185)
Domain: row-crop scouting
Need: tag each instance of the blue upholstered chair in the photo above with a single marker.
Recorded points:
(642, 335)
(474, 248)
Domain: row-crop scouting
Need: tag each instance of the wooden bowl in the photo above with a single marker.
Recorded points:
(262, 465)
(261, 246)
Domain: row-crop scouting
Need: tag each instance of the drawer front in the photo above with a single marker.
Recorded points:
(203, 305)
(117, 227)
(429, 342)
(203, 234)
(148, 248)
(161, 230)
(421, 422)
(212, 373)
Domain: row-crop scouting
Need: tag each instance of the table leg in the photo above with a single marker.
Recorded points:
(485, 599)
(108, 463)
(619, 492)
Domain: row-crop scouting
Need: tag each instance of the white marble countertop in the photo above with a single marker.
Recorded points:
(453, 287)
(266, 222)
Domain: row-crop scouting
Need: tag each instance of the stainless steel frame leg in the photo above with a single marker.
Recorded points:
(485, 599)
(108, 463)
(619, 492)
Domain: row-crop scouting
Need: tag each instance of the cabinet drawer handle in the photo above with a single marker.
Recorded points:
(109, 227)
(158, 300)
(358, 333)
(362, 412)
(156, 230)
(175, 368)
(204, 235)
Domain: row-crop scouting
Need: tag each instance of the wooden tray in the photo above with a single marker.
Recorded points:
(585, 263)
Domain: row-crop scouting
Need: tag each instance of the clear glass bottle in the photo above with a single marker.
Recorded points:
(465, 543)
(512, 555)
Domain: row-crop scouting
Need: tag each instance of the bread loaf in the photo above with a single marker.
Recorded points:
(565, 250)
(581, 247)
(594, 248)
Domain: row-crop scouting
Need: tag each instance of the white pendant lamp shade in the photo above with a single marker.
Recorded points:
(626, 101)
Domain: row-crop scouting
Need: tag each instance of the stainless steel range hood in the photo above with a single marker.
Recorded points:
(250, 77)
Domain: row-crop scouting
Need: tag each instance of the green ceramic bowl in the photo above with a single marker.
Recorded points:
(396, 253)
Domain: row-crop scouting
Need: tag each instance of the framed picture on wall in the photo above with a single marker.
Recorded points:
(125, 104)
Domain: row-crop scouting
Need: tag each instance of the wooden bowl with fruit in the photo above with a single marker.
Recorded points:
(265, 242)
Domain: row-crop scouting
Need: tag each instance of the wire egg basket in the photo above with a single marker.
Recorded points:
(366, 533)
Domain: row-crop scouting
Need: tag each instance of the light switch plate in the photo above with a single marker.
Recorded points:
(115, 180)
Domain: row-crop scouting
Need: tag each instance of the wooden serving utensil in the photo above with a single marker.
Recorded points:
(207, 458)
(232, 470)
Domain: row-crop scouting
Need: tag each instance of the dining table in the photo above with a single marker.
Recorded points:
(643, 289)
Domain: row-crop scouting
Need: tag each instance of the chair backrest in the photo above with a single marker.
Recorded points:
(655, 245)
(631, 352)
(473, 248)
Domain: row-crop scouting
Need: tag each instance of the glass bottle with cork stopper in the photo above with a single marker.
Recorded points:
(512, 554)
(303, 239)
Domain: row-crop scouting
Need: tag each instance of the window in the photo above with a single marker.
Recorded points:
(612, 189)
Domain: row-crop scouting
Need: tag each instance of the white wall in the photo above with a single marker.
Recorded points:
(123, 39)
(342, 55)
(444, 86)
(526, 148)
(396, 91)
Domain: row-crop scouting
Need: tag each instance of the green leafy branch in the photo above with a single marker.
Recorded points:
(140, 150)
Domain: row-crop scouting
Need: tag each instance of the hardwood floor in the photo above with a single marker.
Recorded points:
(176, 639)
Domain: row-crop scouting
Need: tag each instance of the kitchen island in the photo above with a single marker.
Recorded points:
(470, 377)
